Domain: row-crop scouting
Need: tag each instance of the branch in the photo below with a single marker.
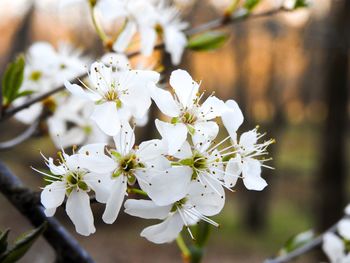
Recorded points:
(305, 248)
(20, 138)
(214, 24)
(25, 201)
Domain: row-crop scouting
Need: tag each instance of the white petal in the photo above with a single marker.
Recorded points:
(93, 149)
(53, 194)
(184, 152)
(175, 43)
(212, 108)
(125, 139)
(248, 139)
(174, 135)
(151, 149)
(185, 87)
(251, 171)
(165, 102)
(115, 200)
(29, 115)
(170, 186)
(347, 209)
(79, 211)
(101, 164)
(233, 171)
(164, 232)
(232, 118)
(148, 40)
(79, 92)
(334, 247)
(100, 184)
(106, 117)
(204, 133)
(146, 209)
(125, 37)
(56, 169)
(344, 228)
(207, 201)
(50, 212)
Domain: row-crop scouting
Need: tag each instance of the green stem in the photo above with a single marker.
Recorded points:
(186, 253)
(232, 7)
(137, 191)
(97, 26)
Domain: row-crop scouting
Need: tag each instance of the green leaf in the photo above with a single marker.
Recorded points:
(3, 241)
(22, 245)
(301, 4)
(24, 93)
(12, 80)
(207, 41)
(250, 4)
(297, 241)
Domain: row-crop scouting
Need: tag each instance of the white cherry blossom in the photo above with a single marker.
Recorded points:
(112, 91)
(188, 115)
(196, 205)
(71, 180)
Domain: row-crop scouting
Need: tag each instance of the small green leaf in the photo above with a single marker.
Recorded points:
(250, 4)
(22, 245)
(12, 80)
(297, 241)
(207, 41)
(301, 4)
(24, 93)
(3, 241)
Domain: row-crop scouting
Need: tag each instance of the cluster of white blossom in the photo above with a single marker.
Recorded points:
(182, 175)
(149, 19)
(336, 246)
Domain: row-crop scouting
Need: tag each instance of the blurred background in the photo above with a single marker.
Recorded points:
(289, 73)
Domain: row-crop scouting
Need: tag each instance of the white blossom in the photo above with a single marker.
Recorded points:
(71, 180)
(188, 115)
(196, 205)
(112, 91)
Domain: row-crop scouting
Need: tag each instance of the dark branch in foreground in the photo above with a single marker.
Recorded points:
(214, 24)
(66, 246)
(305, 248)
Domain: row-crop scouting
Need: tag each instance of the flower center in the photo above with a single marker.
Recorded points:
(188, 118)
(179, 204)
(112, 95)
(75, 180)
(35, 75)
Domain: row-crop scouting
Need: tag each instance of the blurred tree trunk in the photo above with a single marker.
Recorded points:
(331, 177)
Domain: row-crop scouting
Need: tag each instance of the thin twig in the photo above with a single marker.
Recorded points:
(214, 24)
(316, 242)
(25, 201)
(20, 138)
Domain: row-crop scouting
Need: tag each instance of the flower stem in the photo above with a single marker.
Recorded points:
(97, 26)
(137, 191)
(186, 253)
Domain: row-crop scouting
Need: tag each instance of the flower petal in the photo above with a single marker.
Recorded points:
(125, 139)
(151, 149)
(146, 209)
(115, 200)
(334, 247)
(79, 211)
(170, 185)
(165, 102)
(53, 195)
(100, 184)
(251, 171)
(125, 37)
(174, 135)
(185, 87)
(344, 228)
(212, 108)
(164, 232)
(233, 171)
(232, 118)
(106, 117)
(204, 133)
